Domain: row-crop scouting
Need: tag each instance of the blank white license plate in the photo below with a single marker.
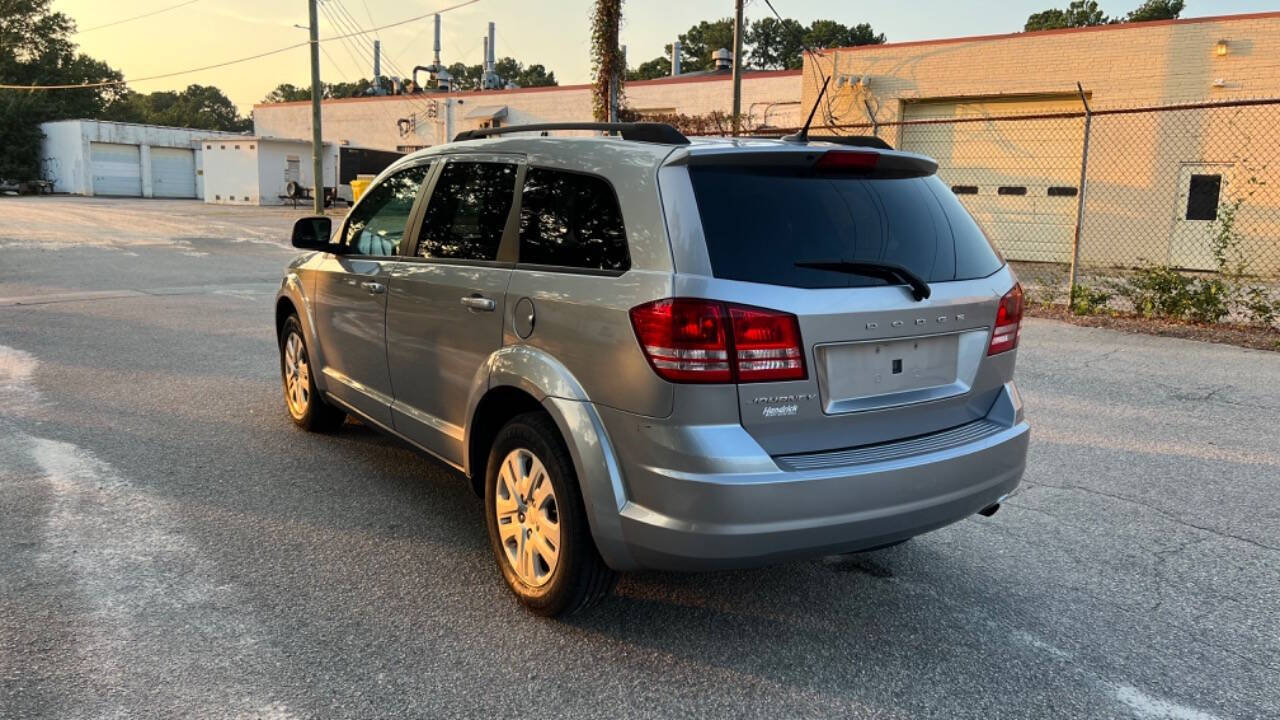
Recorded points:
(870, 369)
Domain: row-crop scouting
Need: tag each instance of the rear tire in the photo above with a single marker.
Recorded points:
(307, 407)
(537, 522)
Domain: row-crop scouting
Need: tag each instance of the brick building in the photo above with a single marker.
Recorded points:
(1154, 181)
(410, 122)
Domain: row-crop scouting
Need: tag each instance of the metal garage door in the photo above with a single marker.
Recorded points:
(116, 169)
(1018, 177)
(173, 172)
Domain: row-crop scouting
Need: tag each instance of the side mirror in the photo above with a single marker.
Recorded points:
(312, 232)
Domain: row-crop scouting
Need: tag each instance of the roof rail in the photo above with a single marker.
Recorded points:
(641, 131)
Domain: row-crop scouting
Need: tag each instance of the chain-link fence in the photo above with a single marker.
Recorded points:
(1170, 211)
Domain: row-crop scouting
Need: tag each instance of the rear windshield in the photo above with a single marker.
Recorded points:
(759, 222)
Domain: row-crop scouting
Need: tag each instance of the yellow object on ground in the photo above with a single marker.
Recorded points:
(359, 185)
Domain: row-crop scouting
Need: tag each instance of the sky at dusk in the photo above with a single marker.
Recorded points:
(555, 33)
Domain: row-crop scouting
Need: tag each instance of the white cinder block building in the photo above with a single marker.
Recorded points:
(94, 157)
(257, 170)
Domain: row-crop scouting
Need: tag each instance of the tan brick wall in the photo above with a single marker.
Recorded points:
(1120, 66)
(371, 122)
(1134, 208)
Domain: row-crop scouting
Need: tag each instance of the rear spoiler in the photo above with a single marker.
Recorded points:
(886, 164)
(868, 141)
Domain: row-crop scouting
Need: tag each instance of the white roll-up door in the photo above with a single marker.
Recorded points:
(116, 169)
(173, 172)
(1017, 177)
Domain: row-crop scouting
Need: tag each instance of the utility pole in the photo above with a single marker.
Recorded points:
(317, 145)
(737, 67)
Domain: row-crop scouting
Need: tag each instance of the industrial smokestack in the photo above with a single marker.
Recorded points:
(436, 60)
(377, 67)
(675, 58)
(484, 63)
(492, 51)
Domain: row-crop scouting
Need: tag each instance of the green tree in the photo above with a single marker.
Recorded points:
(656, 68)
(36, 49)
(831, 34)
(288, 92)
(1079, 13)
(769, 44)
(508, 70)
(776, 44)
(198, 106)
(1156, 10)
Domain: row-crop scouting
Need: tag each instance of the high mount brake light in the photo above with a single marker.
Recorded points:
(847, 160)
(1008, 322)
(690, 340)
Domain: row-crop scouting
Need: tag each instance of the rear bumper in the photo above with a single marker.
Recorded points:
(755, 513)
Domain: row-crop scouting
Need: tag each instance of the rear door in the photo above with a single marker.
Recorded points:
(881, 365)
(447, 300)
(351, 293)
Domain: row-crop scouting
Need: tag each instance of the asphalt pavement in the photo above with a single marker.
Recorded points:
(172, 546)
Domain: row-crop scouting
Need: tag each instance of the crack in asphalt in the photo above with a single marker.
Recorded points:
(1167, 514)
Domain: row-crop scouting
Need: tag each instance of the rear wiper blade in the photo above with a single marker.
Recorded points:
(885, 271)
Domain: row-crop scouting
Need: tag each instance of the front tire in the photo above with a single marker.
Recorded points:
(537, 521)
(307, 408)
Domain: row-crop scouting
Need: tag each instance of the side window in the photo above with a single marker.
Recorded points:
(571, 220)
(468, 210)
(376, 225)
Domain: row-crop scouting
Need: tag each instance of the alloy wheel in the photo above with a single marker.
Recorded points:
(297, 375)
(528, 517)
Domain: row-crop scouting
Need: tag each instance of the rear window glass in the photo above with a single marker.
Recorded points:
(760, 222)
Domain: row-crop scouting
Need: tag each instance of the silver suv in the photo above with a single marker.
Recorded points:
(647, 352)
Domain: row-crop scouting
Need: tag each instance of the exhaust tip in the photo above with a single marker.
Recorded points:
(989, 510)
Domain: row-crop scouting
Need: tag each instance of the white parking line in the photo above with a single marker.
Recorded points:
(140, 585)
(1150, 708)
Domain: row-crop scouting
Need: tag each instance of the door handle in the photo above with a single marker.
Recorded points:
(374, 288)
(479, 302)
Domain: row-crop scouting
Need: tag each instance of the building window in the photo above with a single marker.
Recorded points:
(1062, 191)
(964, 189)
(1202, 197)
(1012, 190)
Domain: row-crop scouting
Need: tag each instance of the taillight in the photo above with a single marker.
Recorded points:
(701, 341)
(766, 345)
(684, 339)
(847, 160)
(1008, 322)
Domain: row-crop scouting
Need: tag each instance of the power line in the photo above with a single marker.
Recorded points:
(236, 61)
(825, 101)
(336, 18)
(136, 17)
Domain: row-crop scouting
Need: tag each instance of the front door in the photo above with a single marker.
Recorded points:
(445, 311)
(1202, 189)
(351, 294)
